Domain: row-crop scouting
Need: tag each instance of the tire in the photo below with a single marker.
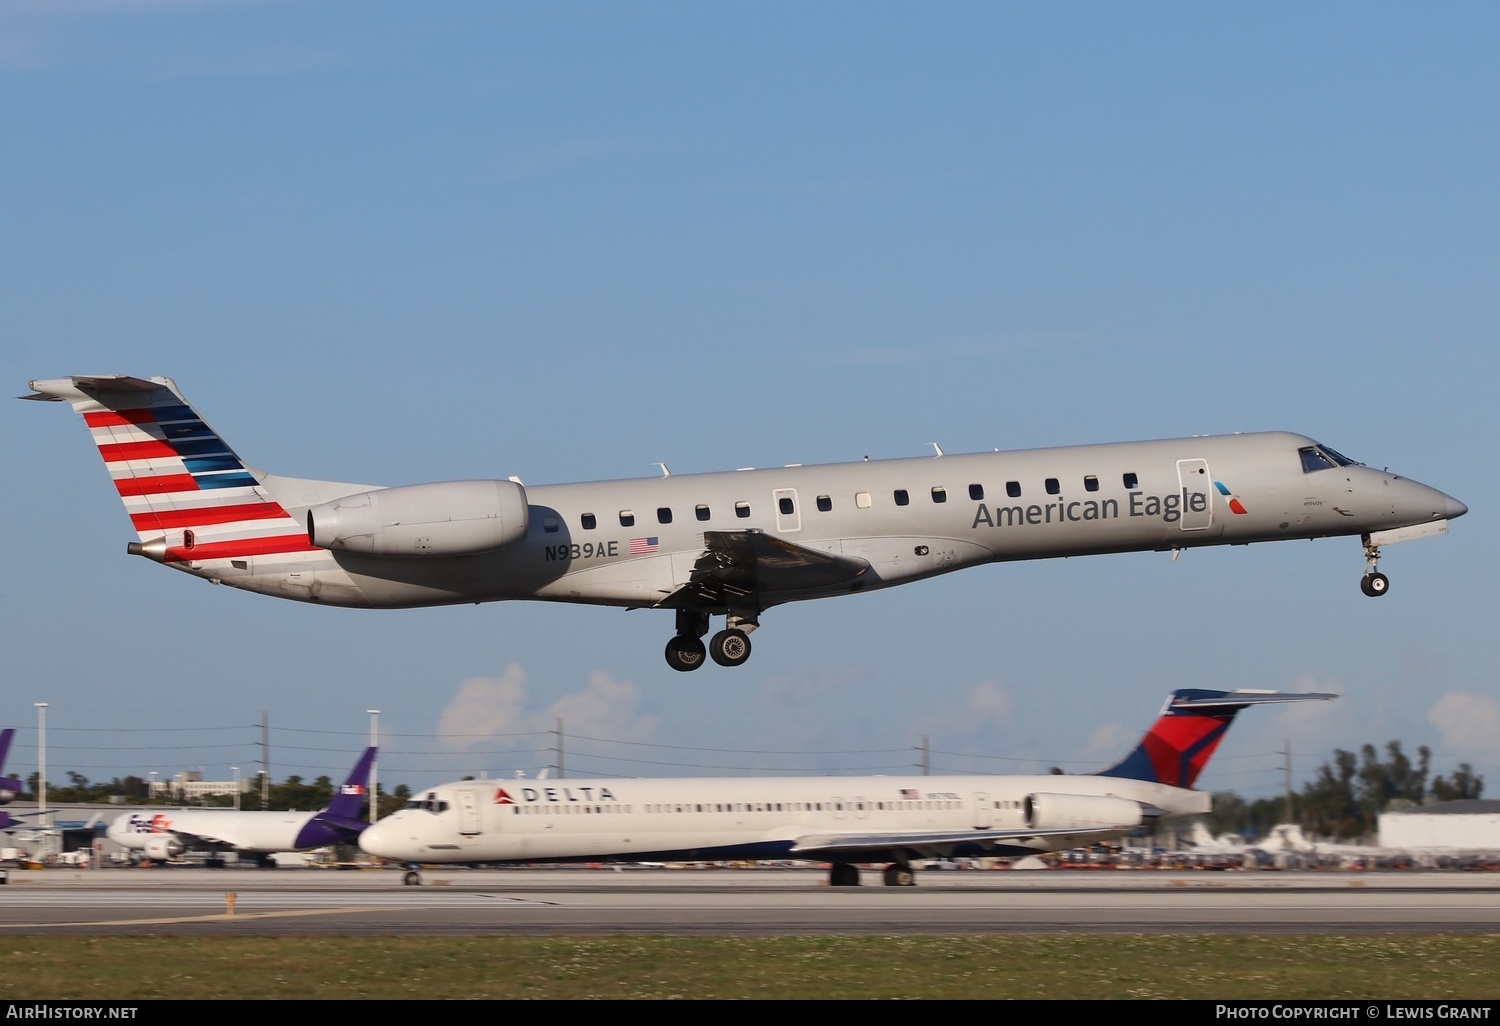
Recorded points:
(900, 876)
(412, 879)
(685, 654)
(842, 874)
(730, 647)
(1375, 585)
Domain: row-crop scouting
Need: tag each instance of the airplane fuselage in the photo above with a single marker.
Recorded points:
(730, 544)
(755, 818)
(635, 542)
(170, 831)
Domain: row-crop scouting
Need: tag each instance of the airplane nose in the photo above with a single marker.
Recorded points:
(1456, 509)
(376, 841)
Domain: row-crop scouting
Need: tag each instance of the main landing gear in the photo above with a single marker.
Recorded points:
(729, 647)
(1373, 583)
(897, 874)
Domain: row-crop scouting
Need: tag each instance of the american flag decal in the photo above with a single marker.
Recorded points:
(642, 546)
(910, 794)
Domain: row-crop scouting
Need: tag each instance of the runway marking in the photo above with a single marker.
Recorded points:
(180, 920)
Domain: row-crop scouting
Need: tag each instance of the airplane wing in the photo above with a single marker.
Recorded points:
(939, 844)
(736, 564)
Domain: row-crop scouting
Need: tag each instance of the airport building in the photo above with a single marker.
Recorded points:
(1471, 824)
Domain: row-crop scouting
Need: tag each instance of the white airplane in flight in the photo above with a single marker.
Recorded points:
(840, 820)
(164, 835)
(730, 544)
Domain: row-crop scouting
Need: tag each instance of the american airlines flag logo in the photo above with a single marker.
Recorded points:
(642, 546)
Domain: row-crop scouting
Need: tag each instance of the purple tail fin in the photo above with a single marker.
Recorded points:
(340, 823)
(9, 786)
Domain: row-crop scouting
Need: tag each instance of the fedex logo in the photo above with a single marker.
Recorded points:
(157, 824)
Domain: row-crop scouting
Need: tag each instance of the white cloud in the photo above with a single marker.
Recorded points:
(490, 710)
(1467, 722)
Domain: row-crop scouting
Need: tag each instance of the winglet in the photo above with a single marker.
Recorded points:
(1191, 725)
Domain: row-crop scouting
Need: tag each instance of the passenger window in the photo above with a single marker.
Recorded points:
(1053, 487)
(785, 504)
(1013, 489)
(862, 500)
(1131, 482)
(742, 510)
(940, 495)
(627, 518)
(550, 525)
(589, 521)
(702, 512)
(824, 504)
(902, 498)
(976, 492)
(663, 514)
(1091, 483)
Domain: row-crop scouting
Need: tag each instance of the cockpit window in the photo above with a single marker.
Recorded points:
(428, 804)
(1339, 457)
(1320, 457)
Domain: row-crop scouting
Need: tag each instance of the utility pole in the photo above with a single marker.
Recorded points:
(559, 749)
(374, 743)
(41, 763)
(926, 763)
(265, 760)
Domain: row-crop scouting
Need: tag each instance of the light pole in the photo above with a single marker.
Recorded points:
(374, 743)
(41, 763)
(234, 773)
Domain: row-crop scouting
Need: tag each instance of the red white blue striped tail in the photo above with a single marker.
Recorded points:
(190, 498)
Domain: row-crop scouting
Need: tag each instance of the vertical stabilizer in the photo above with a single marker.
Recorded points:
(340, 823)
(189, 496)
(1191, 725)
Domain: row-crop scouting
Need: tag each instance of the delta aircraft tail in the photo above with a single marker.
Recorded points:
(1191, 725)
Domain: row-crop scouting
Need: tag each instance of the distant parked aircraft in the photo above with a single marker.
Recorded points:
(163, 835)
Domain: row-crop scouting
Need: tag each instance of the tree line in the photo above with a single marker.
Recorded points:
(1344, 798)
(293, 793)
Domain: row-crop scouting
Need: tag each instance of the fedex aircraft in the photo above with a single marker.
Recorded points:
(730, 544)
(840, 820)
(164, 835)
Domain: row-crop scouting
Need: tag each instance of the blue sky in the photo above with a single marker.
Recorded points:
(382, 243)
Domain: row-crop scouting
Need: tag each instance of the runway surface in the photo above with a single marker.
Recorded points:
(738, 902)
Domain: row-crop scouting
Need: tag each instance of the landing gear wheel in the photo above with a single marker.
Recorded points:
(412, 878)
(842, 874)
(900, 876)
(684, 653)
(730, 647)
(1374, 585)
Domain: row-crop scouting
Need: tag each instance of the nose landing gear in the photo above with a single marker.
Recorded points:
(1374, 583)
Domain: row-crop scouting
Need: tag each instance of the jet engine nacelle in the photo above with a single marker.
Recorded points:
(163, 846)
(447, 518)
(1080, 811)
